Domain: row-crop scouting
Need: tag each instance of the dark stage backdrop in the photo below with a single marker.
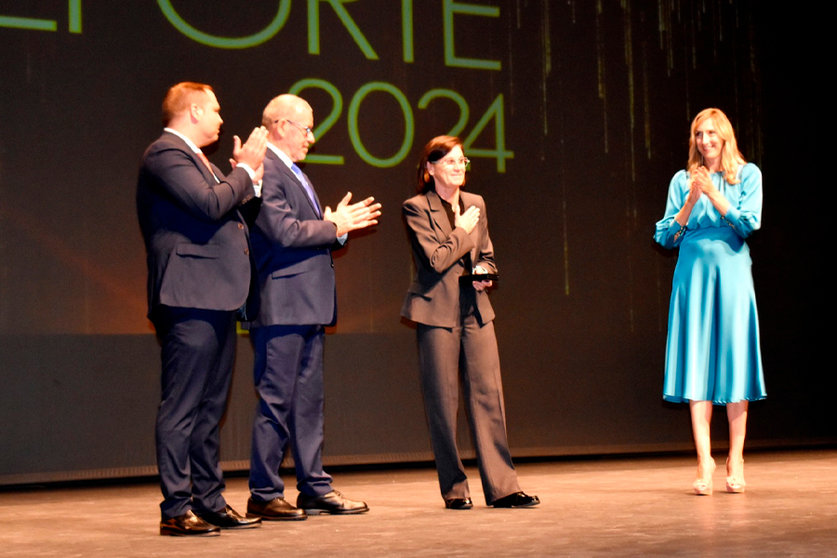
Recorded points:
(575, 115)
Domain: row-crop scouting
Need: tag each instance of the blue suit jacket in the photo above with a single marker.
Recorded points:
(292, 248)
(195, 237)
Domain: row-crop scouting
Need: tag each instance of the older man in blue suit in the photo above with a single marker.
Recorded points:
(292, 238)
(199, 270)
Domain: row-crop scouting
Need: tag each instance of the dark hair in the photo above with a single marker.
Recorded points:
(180, 96)
(435, 149)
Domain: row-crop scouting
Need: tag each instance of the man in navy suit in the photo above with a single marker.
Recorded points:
(199, 264)
(292, 239)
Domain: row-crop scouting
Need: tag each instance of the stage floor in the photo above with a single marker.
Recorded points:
(640, 506)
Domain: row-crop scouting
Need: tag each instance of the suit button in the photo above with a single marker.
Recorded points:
(247, 251)
(240, 226)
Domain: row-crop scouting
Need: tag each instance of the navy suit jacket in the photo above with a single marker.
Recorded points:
(438, 251)
(196, 240)
(292, 248)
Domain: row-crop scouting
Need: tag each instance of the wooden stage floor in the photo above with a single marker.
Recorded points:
(637, 506)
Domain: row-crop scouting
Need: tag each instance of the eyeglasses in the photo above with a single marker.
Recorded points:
(302, 128)
(450, 163)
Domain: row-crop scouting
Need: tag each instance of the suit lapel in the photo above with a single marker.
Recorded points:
(463, 196)
(438, 215)
(440, 219)
(289, 174)
(212, 178)
(317, 207)
(183, 146)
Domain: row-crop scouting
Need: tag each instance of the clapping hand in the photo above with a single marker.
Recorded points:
(350, 217)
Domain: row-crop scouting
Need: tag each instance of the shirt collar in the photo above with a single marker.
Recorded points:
(281, 154)
(189, 142)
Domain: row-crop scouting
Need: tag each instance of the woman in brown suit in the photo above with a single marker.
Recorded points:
(448, 233)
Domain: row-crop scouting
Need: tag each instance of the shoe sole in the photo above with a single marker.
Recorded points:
(246, 526)
(316, 511)
(277, 518)
(513, 506)
(177, 533)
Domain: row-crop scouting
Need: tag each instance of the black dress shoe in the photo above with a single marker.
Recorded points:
(333, 502)
(459, 504)
(228, 518)
(516, 500)
(188, 524)
(276, 509)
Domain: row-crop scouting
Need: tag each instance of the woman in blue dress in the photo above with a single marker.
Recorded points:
(712, 351)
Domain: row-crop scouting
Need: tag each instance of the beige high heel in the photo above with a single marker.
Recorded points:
(703, 483)
(735, 484)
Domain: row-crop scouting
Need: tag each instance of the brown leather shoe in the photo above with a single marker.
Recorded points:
(276, 509)
(228, 518)
(333, 502)
(188, 524)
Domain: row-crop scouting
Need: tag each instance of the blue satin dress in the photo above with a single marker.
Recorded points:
(712, 350)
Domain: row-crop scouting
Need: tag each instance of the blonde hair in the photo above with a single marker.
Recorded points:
(731, 157)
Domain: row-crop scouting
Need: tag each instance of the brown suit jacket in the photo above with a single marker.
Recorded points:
(438, 251)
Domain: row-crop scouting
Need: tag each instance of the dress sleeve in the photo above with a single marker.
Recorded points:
(744, 214)
(668, 232)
